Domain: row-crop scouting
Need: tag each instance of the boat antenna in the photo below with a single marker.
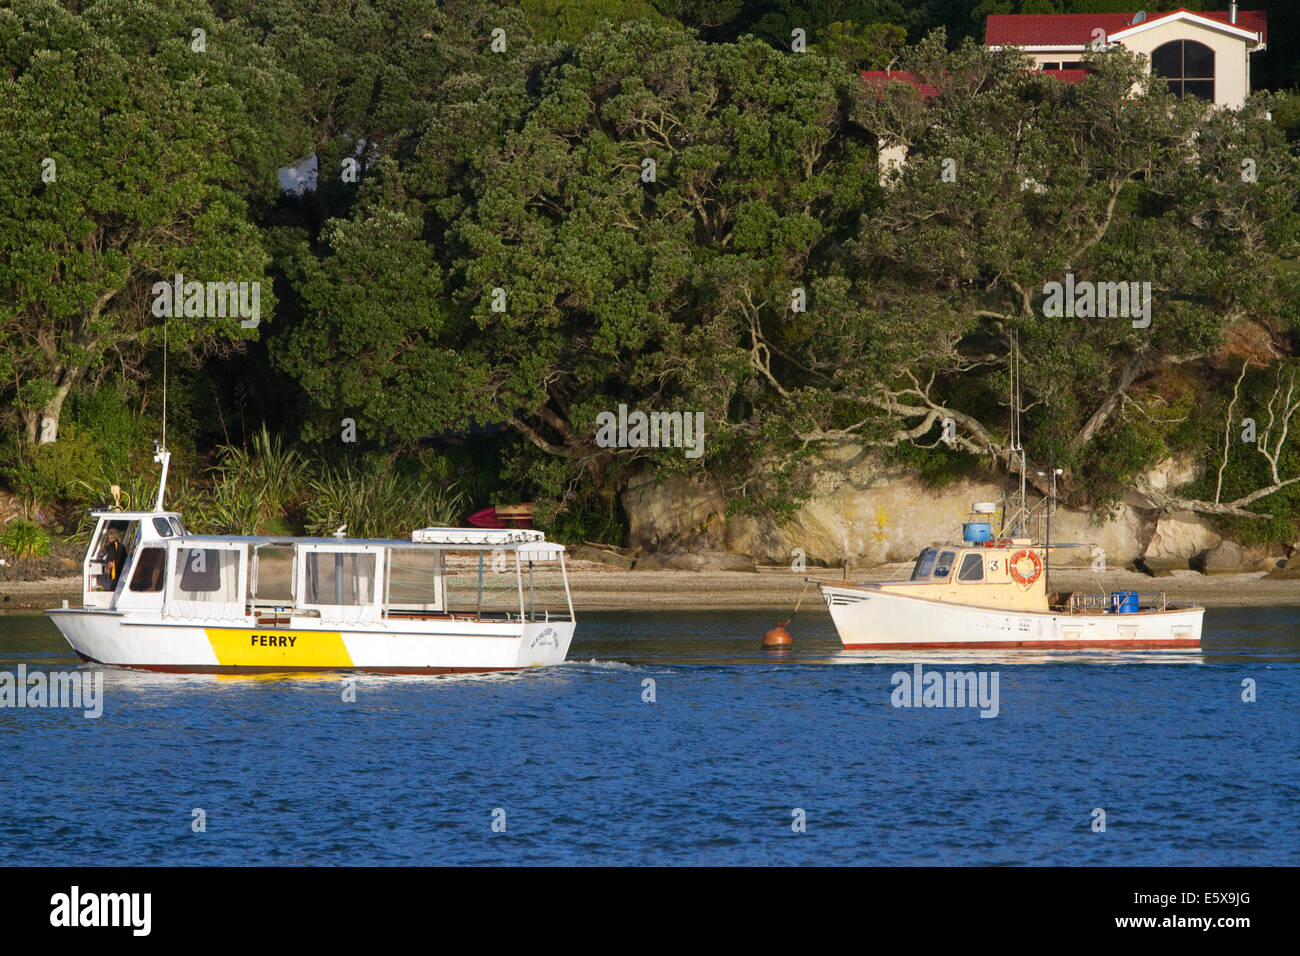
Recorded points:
(164, 408)
(1047, 544)
(160, 452)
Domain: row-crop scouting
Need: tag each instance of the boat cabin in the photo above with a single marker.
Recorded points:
(995, 573)
(127, 553)
(147, 561)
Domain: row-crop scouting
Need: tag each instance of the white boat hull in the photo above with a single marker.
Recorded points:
(243, 647)
(867, 616)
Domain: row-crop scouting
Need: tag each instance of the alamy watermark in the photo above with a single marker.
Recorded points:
(1100, 300)
(950, 689)
(196, 299)
(79, 690)
(652, 430)
(75, 908)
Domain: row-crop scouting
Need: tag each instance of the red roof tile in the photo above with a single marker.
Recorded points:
(879, 78)
(1066, 76)
(1062, 29)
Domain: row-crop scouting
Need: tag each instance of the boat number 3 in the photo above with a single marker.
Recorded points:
(993, 566)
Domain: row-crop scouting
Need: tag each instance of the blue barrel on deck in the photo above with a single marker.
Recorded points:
(976, 532)
(1123, 602)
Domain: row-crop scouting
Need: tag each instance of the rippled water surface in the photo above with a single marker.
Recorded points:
(584, 770)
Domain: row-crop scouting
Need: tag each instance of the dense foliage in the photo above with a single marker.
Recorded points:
(515, 219)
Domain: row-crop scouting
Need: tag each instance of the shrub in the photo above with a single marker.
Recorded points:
(25, 539)
(380, 501)
(57, 471)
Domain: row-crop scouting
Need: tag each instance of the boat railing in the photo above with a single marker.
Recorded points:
(1107, 603)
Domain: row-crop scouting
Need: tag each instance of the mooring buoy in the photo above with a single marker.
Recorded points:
(778, 637)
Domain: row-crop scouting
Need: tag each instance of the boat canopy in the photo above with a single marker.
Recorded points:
(532, 543)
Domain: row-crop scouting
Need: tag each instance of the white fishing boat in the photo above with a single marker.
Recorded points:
(990, 591)
(450, 600)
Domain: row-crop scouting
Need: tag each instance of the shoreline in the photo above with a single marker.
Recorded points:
(598, 587)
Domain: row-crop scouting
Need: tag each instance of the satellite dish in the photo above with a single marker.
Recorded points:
(1139, 17)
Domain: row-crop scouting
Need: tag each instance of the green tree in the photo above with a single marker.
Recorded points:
(620, 281)
(1108, 180)
(135, 149)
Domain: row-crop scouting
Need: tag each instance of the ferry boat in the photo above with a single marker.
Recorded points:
(991, 592)
(450, 600)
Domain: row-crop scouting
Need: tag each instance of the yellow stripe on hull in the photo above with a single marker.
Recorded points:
(248, 647)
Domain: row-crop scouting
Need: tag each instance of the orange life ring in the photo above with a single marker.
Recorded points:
(1013, 566)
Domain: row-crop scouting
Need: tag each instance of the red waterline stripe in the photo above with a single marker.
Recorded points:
(251, 669)
(1044, 645)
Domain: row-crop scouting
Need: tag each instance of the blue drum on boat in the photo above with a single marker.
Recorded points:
(976, 532)
(1124, 602)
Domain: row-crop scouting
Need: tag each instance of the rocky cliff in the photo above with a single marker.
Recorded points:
(869, 514)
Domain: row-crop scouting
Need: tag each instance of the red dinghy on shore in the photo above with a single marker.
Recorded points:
(504, 516)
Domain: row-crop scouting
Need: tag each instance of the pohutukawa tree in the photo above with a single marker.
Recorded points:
(136, 138)
(1110, 181)
(618, 229)
(649, 220)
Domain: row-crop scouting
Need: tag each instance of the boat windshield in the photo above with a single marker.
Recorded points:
(924, 563)
(943, 567)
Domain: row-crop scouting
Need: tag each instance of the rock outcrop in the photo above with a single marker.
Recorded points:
(866, 514)
(859, 512)
(1181, 536)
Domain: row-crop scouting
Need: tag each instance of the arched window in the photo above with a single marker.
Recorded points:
(1187, 66)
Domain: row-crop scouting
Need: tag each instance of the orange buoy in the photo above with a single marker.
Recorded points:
(778, 637)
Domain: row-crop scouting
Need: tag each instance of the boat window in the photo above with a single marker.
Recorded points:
(484, 584)
(206, 574)
(270, 575)
(340, 578)
(943, 567)
(113, 549)
(545, 595)
(163, 527)
(414, 581)
(204, 583)
(924, 563)
(972, 568)
(177, 526)
(148, 576)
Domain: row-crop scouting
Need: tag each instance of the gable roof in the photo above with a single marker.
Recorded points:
(1075, 29)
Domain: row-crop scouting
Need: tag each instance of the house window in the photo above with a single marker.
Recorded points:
(1187, 66)
(1050, 66)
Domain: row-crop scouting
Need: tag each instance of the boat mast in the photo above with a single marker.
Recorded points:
(1014, 526)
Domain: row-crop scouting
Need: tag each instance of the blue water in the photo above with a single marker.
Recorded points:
(712, 772)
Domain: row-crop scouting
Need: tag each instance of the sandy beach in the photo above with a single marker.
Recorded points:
(601, 587)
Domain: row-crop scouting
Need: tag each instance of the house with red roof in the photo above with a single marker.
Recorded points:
(891, 156)
(1206, 55)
